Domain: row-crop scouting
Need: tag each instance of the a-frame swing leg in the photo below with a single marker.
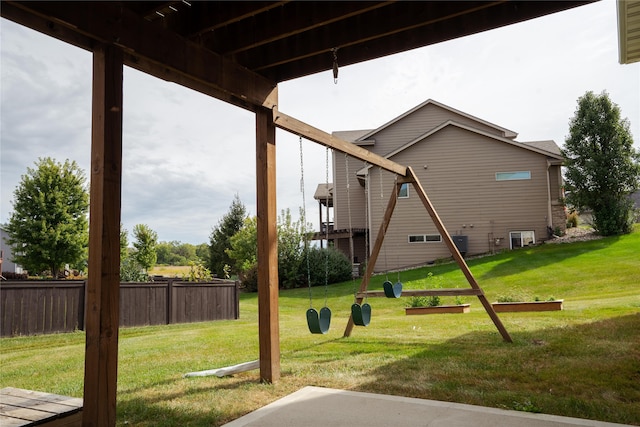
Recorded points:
(374, 253)
(411, 177)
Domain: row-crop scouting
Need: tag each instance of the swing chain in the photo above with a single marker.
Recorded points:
(386, 271)
(351, 250)
(326, 255)
(368, 223)
(303, 216)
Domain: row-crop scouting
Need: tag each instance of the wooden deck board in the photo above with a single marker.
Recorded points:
(20, 407)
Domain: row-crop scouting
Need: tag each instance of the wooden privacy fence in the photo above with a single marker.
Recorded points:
(39, 307)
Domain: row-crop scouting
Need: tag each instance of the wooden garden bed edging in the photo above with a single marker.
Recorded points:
(439, 309)
(502, 307)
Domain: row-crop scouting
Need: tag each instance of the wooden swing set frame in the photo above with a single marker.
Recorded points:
(405, 175)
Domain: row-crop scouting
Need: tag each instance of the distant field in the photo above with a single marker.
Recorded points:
(170, 270)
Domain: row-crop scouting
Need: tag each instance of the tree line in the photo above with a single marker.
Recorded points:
(48, 227)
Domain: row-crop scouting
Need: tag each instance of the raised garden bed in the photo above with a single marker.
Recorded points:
(502, 307)
(438, 309)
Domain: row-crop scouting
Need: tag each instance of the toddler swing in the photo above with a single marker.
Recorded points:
(360, 313)
(318, 323)
(391, 290)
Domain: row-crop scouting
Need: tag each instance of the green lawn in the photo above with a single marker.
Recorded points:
(581, 362)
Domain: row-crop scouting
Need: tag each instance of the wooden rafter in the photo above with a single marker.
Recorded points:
(322, 16)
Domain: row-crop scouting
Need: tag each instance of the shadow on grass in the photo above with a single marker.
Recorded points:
(522, 260)
(588, 371)
(504, 264)
(160, 409)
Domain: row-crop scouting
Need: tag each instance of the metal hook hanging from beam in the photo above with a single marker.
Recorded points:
(335, 64)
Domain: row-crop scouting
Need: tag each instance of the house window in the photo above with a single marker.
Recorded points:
(422, 238)
(520, 239)
(513, 176)
(404, 191)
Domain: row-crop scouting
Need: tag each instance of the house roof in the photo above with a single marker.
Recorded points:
(526, 146)
(351, 135)
(549, 146)
(324, 194)
(629, 31)
(507, 133)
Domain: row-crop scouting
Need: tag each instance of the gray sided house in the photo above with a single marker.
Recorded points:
(491, 191)
(6, 255)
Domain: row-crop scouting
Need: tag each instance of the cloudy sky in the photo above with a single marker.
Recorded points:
(186, 155)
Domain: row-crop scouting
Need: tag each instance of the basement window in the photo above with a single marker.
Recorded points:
(425, 238)
(520, 239)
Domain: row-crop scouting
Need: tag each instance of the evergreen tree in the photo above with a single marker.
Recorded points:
(220, 238)
(602, 167)
(48, 227)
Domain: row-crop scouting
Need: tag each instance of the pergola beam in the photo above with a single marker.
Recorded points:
(147, 47)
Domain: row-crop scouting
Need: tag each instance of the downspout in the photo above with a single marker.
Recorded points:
(367, 185)
(549, 210)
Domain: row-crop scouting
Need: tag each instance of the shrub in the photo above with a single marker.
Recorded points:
(339, 267)
(249, 279)
(131, 271)
(572, 219)
(10, 275)
(197, 273)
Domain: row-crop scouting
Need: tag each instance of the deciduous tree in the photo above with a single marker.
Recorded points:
(48, 227)
(145, 246)
(602, 167)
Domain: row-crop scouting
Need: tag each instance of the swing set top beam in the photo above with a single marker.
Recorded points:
(295, 126)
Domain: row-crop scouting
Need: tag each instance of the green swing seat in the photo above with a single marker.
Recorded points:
(319, 322)
(361, 314)
(391, 290)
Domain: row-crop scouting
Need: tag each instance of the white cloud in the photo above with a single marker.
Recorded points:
(185, 155)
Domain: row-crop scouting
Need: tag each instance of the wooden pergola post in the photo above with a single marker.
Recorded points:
(268, 326)
(103, 284)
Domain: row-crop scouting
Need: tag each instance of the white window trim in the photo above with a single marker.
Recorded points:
(424, 238)
(521, 231)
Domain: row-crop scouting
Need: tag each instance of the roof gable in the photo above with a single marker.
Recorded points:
(530, 147)
(533, 147)
(506, 132)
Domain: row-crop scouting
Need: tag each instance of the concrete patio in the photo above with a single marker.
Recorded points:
(322, 407)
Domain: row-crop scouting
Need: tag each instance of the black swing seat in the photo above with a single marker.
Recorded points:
(361, 314)
(391, 290)
(319, 323)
